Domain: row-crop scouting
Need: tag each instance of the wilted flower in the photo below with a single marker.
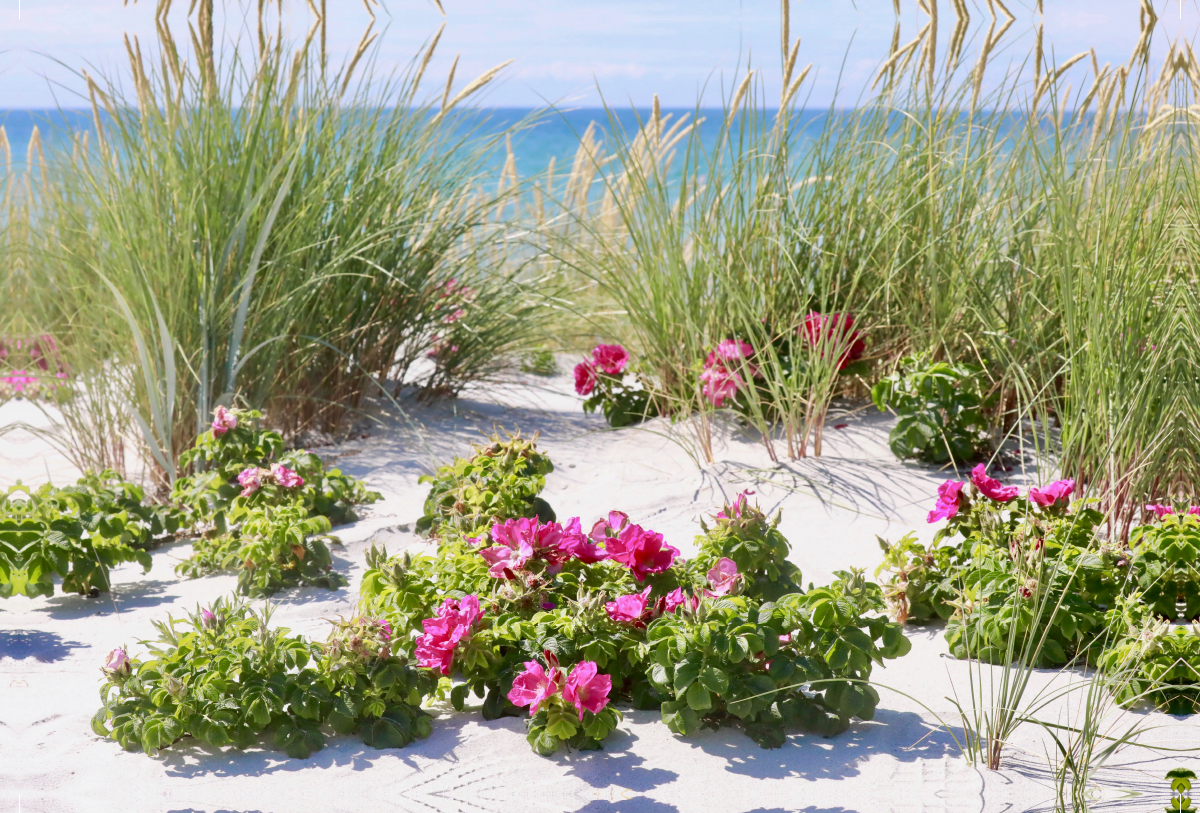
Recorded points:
(223, 421)
(1053, 493)
(286, 477)
(948, 501)
(250, 480)
(587, 690)
(991, 488)
(723, 578)
(1029, 588)
(641, 551)
(535, 685)
(828, 330)
(610, 359)
(585, 378)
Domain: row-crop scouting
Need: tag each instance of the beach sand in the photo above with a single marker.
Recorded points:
(833, 508)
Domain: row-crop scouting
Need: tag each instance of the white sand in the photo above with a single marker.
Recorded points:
(51, 651)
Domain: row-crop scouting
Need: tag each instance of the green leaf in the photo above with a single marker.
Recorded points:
(715, 680)
(698, 698)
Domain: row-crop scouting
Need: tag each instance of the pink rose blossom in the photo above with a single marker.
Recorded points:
(517, 541)
(631, 609)
(250, 480)
(723, 578)
(286, 477)
(718, 384)
(729, 350)
(117, 662)
(586, 689)
(616, 522)
(1051, 494)
(991, 488)
(585, 378)
(1194, 510)
(535, 685)
(574, 545)
(443, 633)
(948, 501)
(1160, 511)
(834, 329)
(674, 600)
(641, 551)
(223, 421)
(610, 359)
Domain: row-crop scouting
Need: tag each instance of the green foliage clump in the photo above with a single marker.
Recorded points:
(744, 535)
(274, 548)
(501, 480)
(801, 662)
(923, 584)
(1164, 565)
(940, 410)
(77, 533)
(263, 512)
(1152, 659)
(225, 677)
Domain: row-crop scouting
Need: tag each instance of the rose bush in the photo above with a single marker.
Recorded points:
(609, 386)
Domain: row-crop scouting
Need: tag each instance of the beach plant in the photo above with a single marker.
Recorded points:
(940, 410)
(606, 384)
(527, 611)
(224, 676)
(500, 480)
(77, 533)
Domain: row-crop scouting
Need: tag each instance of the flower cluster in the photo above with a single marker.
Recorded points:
(719, 383)
(584, 688)
(951, 498)
(607, 359)
(830, 331)
(443, 634)
(517, 542)
(254, 477)
(643, 552)
(223, 421)
(1161, 511)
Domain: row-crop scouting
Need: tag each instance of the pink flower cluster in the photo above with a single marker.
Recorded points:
(609, 359)
(718, 382)
(223, 421)
(642, 551)
(833, 330)
(950, 498)
(583, 688)
(636, 609)
(252, 479)
(1161, 511)
(517, 541)
(443, 634)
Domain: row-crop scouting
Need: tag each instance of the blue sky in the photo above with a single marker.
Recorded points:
(563, 49)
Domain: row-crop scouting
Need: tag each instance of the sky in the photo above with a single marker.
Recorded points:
(577, 52)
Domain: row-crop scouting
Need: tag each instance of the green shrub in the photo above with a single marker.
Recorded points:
(1163, 564)
(501, 480)
(225, 677)
(939, 408)
(1151, 659)
(744, 535)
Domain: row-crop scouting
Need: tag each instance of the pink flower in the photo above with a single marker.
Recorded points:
(1161, 511)
(717, 384)
(585, 378)
(223, 421)
(834, 330)
(286, 477)
(535, 685)
(991, 488)
(1194, 510)
(729, 350)
(631, 609)
(616, 522)
(1051, 494)
(250, 480)
(948, 499)
(453, 623)
(739, 505)
(610, 358)
(451, 318)
(208, 619)
(641, 551)
(723, 578)
(587, 690)
(514, 547)
(117, 662)
(574, 545)
(674, 600)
